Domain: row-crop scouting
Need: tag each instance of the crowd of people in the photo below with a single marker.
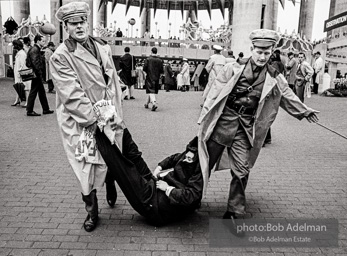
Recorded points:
(34, 56)
(235, 117)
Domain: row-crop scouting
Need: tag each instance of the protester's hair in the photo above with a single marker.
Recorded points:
(277, 51)
(37, 38)
(230, 53)
(301, 53)
(290, 54)
(127, 49)
(27, 40)
(318, 53)
(154, 50)
(241, 54)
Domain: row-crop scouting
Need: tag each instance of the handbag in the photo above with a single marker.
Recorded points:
(133, 71)
(27, 74)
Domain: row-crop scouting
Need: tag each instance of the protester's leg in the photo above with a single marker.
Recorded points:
(131, 92)
(111, 191)
(148, 101)
(50, 85)
(239, 153)
(131, 174)
(214, 151)
(315, 85)
(154, 101)
(268, 137)
(42, 96)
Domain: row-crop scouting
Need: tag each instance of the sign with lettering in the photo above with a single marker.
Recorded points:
(335, 22)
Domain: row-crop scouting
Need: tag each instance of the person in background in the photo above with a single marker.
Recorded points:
(303, 76)
(185, 75)
(240, 59)
(169, 77)
(196, 83)
(35, 61)
(19, 65)
(318, 67)
(153, 68)
(27, 44)
(291, 68)
(231, 57)
(48, 53)
(127, 63)
(213, 66)
(119, 33)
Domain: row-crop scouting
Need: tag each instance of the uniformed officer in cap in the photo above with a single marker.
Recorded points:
(84, 73)
(242, 104)
(213, 66)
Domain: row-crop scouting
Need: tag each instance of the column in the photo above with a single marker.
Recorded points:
(57, 37)
(21, 9)
(243, 25)
(2, 57)
(145, 21)
(101, 15)
(270, 15)
(306, 18)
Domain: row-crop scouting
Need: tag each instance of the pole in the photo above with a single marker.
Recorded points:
(332, 130)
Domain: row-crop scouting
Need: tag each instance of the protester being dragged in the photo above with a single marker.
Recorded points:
(127, 64)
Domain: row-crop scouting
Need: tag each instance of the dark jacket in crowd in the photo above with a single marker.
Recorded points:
(169, 76)
(154, 68)
(35, 61)
(127, 63)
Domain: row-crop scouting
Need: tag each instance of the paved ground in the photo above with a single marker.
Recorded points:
(301, 175)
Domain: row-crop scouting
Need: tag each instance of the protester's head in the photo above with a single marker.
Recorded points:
(302, 57)
(127, 49)
(290, 55)
(263, 43)
(39, 40)
(191, 155)
(74, 15)
(230, 53)
(184, 60)
(154, 50)
(51, 46)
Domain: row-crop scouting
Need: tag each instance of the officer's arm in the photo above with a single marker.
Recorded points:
(70, 91)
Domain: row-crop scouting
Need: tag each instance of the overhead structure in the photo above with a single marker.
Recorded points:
(183, 5)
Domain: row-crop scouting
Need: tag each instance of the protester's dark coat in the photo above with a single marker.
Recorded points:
(169, 79)
(36, 61)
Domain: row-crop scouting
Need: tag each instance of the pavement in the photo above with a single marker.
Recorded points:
(301, 175)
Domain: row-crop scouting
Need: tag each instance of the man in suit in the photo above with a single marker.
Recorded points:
(127, 63)
(318, 67)
(291, 68)
(36, 62)
(303, 75)
(153, 68)
(243, 103)
(48, 53)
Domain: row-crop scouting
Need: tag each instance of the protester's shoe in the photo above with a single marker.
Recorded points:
(47, 112)
(231, 216)
(146, 105)
(33, 113)
(53, 91)
(89, 224)
(111, 194)
(132, 98)
(24, 106)
(267, 141)
(126, 98)
(15, 104)
(154, 108)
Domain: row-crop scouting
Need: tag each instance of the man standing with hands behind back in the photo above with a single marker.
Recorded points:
(241, 106)
(84, 73)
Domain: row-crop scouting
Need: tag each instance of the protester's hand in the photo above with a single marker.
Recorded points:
(92, 128)
(162, 185)
(156, 171)
(312, 117)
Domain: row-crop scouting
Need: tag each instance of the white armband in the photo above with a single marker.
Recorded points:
(168, 190)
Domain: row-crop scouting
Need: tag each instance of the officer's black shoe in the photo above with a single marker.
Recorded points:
(231, 216)
(89, 224)
(111, 194)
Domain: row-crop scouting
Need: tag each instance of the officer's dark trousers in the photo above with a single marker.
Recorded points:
(130, 172)
(239, 154)
(37, 88)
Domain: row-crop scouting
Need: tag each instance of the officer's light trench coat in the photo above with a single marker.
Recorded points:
(79, 83)
(275, 94)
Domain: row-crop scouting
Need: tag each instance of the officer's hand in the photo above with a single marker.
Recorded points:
(312, 117)
(92, 128)
(162, 185)
(156, 171)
